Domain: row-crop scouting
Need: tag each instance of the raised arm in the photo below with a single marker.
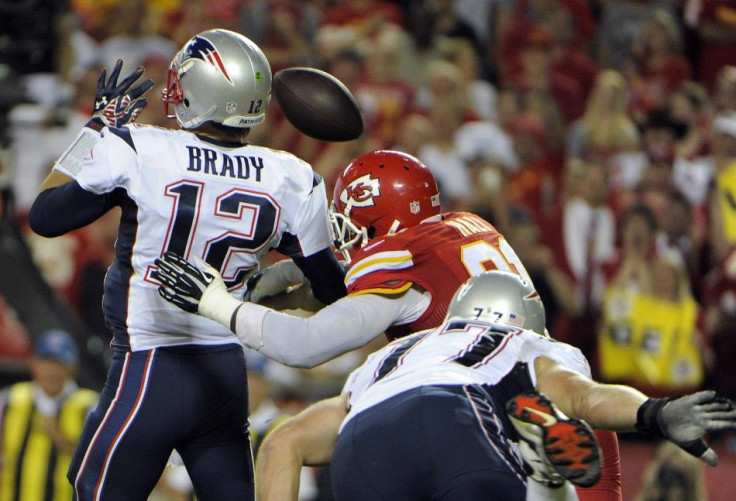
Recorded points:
(306, 439)
(682, 420)
(62, 204)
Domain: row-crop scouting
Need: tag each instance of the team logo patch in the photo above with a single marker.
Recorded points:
(201, 48)
(231, 107)
(414, 207)
(361, 191)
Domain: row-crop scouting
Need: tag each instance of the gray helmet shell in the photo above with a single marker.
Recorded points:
(499, 297)
(224, 77)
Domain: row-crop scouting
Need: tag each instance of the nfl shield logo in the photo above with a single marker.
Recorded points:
(231, 106)
(414, 207)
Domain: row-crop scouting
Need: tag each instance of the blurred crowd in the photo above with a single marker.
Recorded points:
(598, 136)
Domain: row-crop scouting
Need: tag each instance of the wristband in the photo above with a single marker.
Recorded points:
(648, 416)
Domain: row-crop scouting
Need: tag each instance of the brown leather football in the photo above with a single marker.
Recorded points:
(317, 104)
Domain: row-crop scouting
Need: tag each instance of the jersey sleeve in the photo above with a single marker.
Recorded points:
(311, 230)
(562, 353)
(112, 163)
(384, 272)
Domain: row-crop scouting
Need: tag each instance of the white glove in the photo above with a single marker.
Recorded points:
(273, 280)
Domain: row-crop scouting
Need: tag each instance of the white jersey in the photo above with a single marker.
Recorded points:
(197, 197)
(459, 352)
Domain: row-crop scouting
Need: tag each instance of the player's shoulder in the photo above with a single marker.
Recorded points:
(295, 169)
(137, 136)
(287, 159)
(151, 131)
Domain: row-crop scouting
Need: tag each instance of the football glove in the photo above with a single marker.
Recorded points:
(196, 288)
(183, 283)
(273, 280)
(118, 104)
(684, 420)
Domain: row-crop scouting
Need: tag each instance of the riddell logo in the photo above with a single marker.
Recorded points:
(360, 192)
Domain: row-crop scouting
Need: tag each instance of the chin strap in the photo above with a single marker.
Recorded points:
(394, 227)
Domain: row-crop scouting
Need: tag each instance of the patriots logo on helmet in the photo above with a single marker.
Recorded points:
(361, 191)
(201, 48)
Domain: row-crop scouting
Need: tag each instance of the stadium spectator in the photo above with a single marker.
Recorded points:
(681, 238)
(532, 185)
(716, 35)
(132, 36)
(607, 133)
(620, 23)
(555, 287)
(719, 300)
(284, 29)
(480, 94)
(649, 336)
(581, 232)
(723, 201)
(673, 474)
(693, 169)
(442, 154)
(570, 58)
(656, 66)
(15, 343)
(535, 75)
(724, 95)
(42, 422)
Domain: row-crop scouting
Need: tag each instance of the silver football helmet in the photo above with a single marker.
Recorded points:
(499, 297)
(219, 76)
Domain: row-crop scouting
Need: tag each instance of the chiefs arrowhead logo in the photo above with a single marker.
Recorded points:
(361, 191)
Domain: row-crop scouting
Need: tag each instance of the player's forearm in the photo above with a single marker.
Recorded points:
(608, 407)
(307, 342)
(307, 439)
(277, 474)
(61, 209)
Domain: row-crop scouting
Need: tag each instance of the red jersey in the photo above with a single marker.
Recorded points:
(437, 256)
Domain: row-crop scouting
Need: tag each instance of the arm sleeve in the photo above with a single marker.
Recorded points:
(68, 207)
(342, 326)
(325, 274)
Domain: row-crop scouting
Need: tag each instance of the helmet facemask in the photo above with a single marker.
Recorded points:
(347, 235)
(172, 94)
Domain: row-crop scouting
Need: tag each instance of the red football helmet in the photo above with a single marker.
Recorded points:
(380, 193)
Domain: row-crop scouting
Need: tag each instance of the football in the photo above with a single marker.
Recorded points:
(317, 104)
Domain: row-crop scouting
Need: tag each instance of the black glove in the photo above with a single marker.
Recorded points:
(684, 420)
(183, 283)
(115, 105)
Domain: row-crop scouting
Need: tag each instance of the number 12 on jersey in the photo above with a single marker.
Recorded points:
(254, 221)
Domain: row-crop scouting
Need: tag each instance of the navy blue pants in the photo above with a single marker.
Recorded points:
(190, 398)
(432, 442)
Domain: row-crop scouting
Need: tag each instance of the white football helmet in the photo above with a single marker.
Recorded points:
(219, 76)
(499, 297)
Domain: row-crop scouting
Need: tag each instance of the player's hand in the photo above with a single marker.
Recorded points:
(684, 420)
(118, 104)
(273, 280)
(183, 283)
